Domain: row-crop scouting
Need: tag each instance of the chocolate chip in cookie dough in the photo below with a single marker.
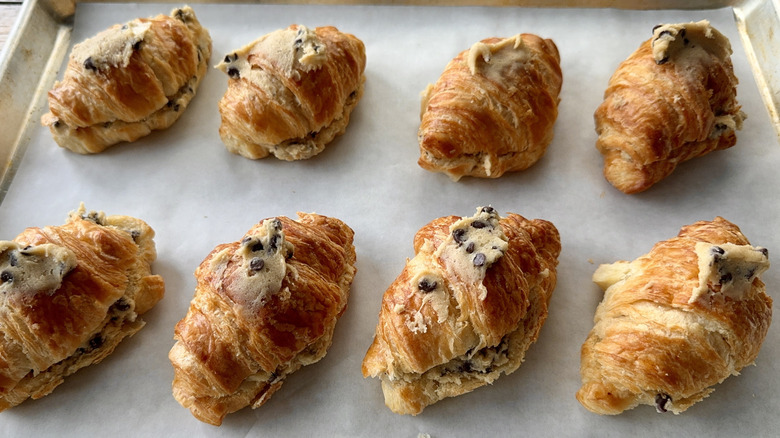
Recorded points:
(459, 234)
(661, 401)
(479, 224)
(137, 45)
(6, 277)
(89, 65)
(479, 259)
(234, 73)
(426, 285)
(470, 247)
(256, 264)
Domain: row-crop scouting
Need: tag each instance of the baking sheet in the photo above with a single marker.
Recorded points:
(196, 195)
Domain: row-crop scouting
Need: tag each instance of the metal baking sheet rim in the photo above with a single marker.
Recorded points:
(40, 39)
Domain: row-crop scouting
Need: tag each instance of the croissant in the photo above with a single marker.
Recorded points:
(127, 81)
(493, 108)
(676, 321)
(263, 307)
(68, 295)
(291, 92)
(672, 100)
(465, 309)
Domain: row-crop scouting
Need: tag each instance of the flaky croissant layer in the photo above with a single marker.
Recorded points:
(263, 307)
(291, 92)
(672, 100)
(676, 321)
(68, 295)
(128, 80)
(465, 309)
(493, 109)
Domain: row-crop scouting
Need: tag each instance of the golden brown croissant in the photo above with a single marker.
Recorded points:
(465, 309)
(263, 307)
(68, 295)
(493, 108)
(127, 81)
(291, 92)
(676, 321)
(672, 100)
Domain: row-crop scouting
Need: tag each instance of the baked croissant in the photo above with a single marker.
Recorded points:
(493, 108)
(676, 321)
(127, 81)
(465, 309)
(672, 100)
(263, 307)
(291, 92)
(68, 295)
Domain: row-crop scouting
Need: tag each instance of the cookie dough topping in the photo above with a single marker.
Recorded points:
(490, 59)
(675, 42)
(264, 258)
(728, 270)
(111, 48)
(33, 269)
(295, 49)
(474, 244)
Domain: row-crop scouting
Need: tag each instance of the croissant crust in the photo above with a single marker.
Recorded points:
(291, 92)
(441, 334)
(665, 332)
(493, 108)
(672, 100)
(127, 81)
(70, 294)
(240, 340)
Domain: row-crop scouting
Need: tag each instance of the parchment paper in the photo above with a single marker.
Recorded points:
(195, 194)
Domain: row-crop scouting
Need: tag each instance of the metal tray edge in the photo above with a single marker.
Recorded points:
(30, 61)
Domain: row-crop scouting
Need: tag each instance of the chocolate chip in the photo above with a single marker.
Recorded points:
(488, 210)
(277, 224)
(726, 278)
(89, 65)
(682, 32)
(57, 123)
(257, 247)
(121, 305)
(426, 285)
(12, 260)
(717, 250)
(233, 73)
(176, 107)
(96, 342)
(661, 400)
(124, 27)
(137, 45)
(227, 59)
(273, 245)
(479, 224)
(6, 277)
(656, 27)
(298, 42)
(256, 264)
(764, 251)
(686, 41)
(665, 32)
(663, 60)
(459, 234)
(470, 247)
(180, 15)
(479, 259)
(135, 234)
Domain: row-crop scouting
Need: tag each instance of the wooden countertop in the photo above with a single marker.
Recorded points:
(8, 13)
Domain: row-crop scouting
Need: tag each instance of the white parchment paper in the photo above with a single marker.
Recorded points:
(195, 194)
